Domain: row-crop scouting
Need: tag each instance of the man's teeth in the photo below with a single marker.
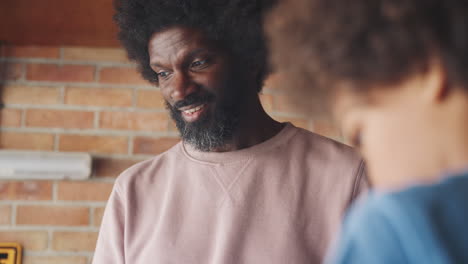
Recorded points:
(193, 110)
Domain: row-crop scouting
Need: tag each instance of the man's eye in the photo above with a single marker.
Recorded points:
(163, 74)
(198, 63)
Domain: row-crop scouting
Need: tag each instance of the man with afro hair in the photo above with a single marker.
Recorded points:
(240, 187)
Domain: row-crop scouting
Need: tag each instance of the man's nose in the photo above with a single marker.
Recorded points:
(182, 85)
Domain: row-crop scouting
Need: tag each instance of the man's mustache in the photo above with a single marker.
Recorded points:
(194, 99)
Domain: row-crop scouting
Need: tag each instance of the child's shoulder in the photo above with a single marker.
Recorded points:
(419, 200)
(431, 198)
(425, 222)
(417, 219)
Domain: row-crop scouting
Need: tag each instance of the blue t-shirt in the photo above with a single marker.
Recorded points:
(423, 224)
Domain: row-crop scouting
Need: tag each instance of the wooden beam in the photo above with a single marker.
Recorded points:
(58, 22)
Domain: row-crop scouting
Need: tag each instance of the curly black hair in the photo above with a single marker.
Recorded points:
(365, 43)
(236, 25)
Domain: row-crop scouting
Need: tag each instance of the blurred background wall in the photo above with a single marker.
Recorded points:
(65, 85)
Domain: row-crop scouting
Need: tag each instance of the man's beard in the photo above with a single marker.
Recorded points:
(214, 128)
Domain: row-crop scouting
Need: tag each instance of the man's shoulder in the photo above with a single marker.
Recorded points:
(340, 167)
(323, 147)
(150, 167)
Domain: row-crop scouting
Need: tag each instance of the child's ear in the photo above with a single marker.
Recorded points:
(435, 82)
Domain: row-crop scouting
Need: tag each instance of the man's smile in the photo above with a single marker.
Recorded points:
(193, 112)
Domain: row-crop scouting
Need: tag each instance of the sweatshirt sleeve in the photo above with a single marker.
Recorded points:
(110, 243)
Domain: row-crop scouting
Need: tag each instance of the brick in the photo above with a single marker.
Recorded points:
(95, 54)
(26, 141)
(95, 144)
(267, 102)
(52, 215)
(150, 99)
(74, 241)
(141, 121)
(59, 118)
(147, 145)
(60, 73)
(5, 215)
(99, 96)
(121, 75)
(27, 259)
(30, 240)
(11, 71)
(10, 117)
(84, 191)
(26, 190)
(110, 167)
(39, 95)
(98, 213)
(31, 52)
(299, 122)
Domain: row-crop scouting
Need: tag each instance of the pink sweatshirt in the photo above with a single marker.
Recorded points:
(278, 202)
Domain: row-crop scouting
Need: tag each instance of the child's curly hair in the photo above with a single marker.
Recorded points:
(366, 43)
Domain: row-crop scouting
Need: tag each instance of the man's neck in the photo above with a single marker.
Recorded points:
(255, 127)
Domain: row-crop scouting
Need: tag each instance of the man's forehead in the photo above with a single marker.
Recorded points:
(175, 42)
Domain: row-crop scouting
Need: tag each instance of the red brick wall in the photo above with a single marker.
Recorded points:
(90, 100)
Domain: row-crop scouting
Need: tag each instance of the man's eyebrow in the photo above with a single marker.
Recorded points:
(155, 64)
(190, 55)
(193, 53)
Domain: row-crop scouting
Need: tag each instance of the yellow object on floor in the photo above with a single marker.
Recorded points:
(10, 253)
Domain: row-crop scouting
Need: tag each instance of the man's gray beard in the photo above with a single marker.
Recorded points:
(209, 133)
(207, 139)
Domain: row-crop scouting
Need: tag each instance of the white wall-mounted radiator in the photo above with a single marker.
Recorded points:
(44, 165)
